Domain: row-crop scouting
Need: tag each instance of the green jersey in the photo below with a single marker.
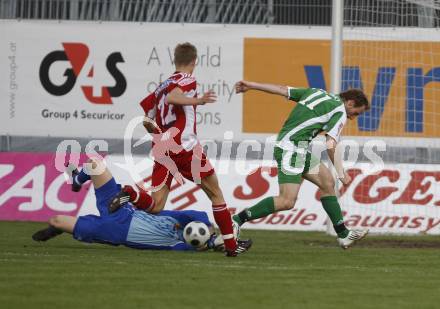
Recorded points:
(316, 111)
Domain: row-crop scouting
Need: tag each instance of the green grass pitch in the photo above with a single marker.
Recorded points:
(282, 270)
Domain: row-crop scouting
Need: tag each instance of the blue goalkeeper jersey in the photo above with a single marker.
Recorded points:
(134, 228)
(162, 231)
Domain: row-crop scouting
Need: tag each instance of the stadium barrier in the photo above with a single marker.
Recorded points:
(394, 200)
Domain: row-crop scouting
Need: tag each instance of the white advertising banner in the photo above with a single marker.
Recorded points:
(86, 79)
(394, 200)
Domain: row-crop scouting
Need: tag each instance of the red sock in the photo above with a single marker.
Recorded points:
(142, 200)
(224, 221)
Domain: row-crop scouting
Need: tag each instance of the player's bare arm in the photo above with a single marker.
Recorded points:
(177, 97)
(149, 124)
(336, 159)
(243, 86)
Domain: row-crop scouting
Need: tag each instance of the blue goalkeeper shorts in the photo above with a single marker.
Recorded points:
(106, 228)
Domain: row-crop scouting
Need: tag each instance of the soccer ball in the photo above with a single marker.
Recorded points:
(196, 234)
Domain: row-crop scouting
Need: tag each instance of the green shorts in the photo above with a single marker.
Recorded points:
(293, 165)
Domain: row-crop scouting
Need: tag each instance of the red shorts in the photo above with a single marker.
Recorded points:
(163, 173)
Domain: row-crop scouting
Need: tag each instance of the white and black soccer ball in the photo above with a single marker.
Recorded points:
(196, 234)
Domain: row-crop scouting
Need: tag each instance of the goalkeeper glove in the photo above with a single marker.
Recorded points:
(215, 242)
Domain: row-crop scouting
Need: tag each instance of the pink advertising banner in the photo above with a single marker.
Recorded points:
(401, 199)
(32, 189)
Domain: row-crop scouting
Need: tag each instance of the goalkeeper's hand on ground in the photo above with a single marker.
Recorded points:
(215, 242)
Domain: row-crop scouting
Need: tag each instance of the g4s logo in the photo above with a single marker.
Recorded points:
(77, 54)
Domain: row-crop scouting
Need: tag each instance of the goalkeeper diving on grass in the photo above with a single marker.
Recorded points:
(317, 111)
(128, 226)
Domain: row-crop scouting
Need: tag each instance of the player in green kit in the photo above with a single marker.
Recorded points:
(317, 111)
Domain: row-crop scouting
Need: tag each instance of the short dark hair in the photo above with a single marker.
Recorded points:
(184, 54)
(358, 96)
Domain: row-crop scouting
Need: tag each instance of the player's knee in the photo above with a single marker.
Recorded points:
(96, 166)
(94, 162)
(286, 203)
(328, 185)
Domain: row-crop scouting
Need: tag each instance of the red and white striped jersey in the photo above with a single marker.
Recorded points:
(182, 117)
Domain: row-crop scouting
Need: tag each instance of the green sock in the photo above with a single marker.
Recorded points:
(333, 210)
(261, 209)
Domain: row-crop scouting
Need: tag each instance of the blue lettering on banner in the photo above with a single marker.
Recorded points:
(315, 76)
(370, 120)
(415, 83)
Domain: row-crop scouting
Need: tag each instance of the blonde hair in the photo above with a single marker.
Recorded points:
(184, 54)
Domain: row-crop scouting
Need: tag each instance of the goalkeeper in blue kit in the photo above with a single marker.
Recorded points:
(128, 226)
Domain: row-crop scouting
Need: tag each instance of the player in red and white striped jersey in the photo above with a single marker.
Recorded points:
(161, 106)
(170, 113)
